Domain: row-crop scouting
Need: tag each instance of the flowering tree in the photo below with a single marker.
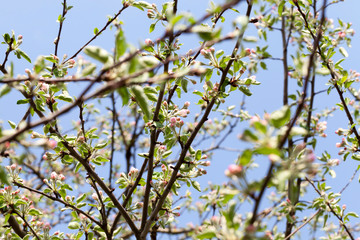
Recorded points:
(129, 163)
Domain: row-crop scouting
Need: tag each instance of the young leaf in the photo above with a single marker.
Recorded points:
(97, 53)
(142, 100)
(120, 44)
(12, 124)
(24, 55)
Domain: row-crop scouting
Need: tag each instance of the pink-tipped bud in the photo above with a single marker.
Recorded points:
(186, 104)
(52, 144)
(342, 34)
(173, 120)
(203, 52)
(13, 166)
(53, 176)
(150, 14)
(149, 42)
(94, 196)
(139, 205)
(62, 177)
(47, 226)
(183, 113)
(234, 170)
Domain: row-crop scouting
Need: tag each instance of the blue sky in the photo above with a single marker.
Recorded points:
(36, 21)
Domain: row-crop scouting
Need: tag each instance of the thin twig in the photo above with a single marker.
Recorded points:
(57, 41)
(332, 210)
(302, 225)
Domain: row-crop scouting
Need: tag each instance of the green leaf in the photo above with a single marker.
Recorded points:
(184, 84)
(281, 8)
(196, 185)
(3, 176)
(280, 117)
(166, 154)
(198, 155)
(356, 157)
(7, 216)
(124, 94)
(120, 44)
(205, 32)
(22, 101)
(343, 52)
(88, 70)
(102, 159)
(65, 97)
(101, 145)
(246, 157)
(250, 39)
(152, 27)
(295, 131)
(5, 89)
(24, 55)
(81, 198)
(34, 212)
(249, 136)
(142, 100)
(12, 124)
(96, 31)
(7, 38)
(74, 225)
(245, 90)
(97, 53)
(207, 234)
(263, 65)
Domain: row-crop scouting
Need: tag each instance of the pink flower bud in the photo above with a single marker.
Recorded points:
(52, 144)
(163, 167)
(61, 177)
(53, 176)
(186, 104)
(95, 196)
(149, 42)
(13, 166)
(139, 205)
(173, 120)
(183, 113)
(47, 226)
(233, 170)
(203, 52)
(150, 13)
(342, 34)
(44, 87)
